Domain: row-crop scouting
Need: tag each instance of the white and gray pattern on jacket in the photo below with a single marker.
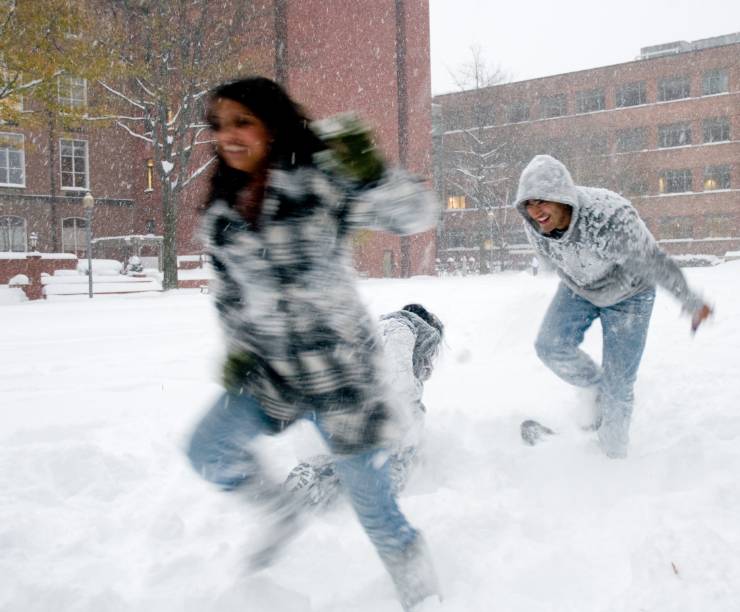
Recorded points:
(286, 294)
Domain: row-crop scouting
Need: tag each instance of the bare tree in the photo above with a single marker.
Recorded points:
(479, 168)
(176, 52)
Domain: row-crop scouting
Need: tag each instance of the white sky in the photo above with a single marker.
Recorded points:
(540, 38)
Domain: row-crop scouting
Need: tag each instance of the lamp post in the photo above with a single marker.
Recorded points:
(88, 203)
(490, 237)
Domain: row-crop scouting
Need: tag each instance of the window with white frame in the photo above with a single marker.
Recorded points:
(631, 94)
(74, 163)
(675, 181)
(74, 235)
(554, 106)
(12, 160)
(674, 135)
(12, 234)
(714, 82)
(72, 93)
(716, 129)
(590, 101)
(518, 112)
(631, 139)
(716, 177)
(674, 88)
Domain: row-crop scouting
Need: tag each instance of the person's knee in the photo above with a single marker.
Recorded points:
(547, 348)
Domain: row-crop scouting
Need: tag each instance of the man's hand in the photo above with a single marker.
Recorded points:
(700, 315)
(236, 369)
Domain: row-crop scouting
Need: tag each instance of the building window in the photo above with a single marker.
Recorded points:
(631, 139)
(716, 129)
(630, 185)
(456, 202)
(590, 101)
(631, 94)
(596, 143)
(716, 177)
(674, 88)
(674, 135)
(553, 106)
(12, 234)
(559, 148)
(454, 119)
(714, 82)
(73, 154)
(677, 227)
(517, 112)
(485, 114)
(718, 226)
(72, 93)
(456, 239)
(149, 174)
(675, 181)
(74, 235)
(12, 160)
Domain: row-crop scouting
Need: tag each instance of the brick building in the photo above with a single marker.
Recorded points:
(328, 63)
(662, 130)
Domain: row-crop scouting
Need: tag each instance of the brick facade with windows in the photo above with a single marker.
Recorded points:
(328, 64)
(664, 131)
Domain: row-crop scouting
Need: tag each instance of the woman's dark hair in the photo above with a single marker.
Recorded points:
(293, 141)
(426, 316)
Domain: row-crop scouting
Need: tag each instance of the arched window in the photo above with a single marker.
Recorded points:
(12, 234)
(74, 235)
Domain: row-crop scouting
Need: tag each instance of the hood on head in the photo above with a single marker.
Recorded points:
(545, 178)
(426, 346)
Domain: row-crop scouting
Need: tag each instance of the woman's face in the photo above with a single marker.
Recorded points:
(242, 140)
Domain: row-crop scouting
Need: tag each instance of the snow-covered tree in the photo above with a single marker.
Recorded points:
(478, 167)
(176, 52)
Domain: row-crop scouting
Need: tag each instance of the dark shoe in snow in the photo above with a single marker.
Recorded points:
(534, 432)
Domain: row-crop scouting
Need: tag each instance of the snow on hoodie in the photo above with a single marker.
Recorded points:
(410, 345)
(607, 254)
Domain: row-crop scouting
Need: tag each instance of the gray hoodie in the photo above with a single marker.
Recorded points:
(607, 254)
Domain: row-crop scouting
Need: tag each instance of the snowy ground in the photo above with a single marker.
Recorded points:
(100, 513)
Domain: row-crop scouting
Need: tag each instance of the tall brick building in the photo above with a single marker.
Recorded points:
(662, 130)
(332, 55)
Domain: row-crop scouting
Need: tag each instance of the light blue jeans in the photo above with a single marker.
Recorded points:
(220, 452)
(624, 331)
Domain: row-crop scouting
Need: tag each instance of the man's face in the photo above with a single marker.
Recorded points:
(549, 215)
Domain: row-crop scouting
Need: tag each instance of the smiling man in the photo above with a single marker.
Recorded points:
(609, 265)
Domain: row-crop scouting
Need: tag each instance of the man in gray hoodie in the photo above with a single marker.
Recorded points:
(609, 265)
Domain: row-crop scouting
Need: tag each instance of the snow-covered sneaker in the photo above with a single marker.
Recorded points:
(315, 482)
(413, 574)
(614, 437)
(533, 432)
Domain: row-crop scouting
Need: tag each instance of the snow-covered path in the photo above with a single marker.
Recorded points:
(100, 513)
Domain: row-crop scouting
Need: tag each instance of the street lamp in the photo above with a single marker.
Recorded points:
(88, 203)
(33, 240)
(490, 234)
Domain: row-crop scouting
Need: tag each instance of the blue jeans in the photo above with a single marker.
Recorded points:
(624, 330)
(220, 452)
